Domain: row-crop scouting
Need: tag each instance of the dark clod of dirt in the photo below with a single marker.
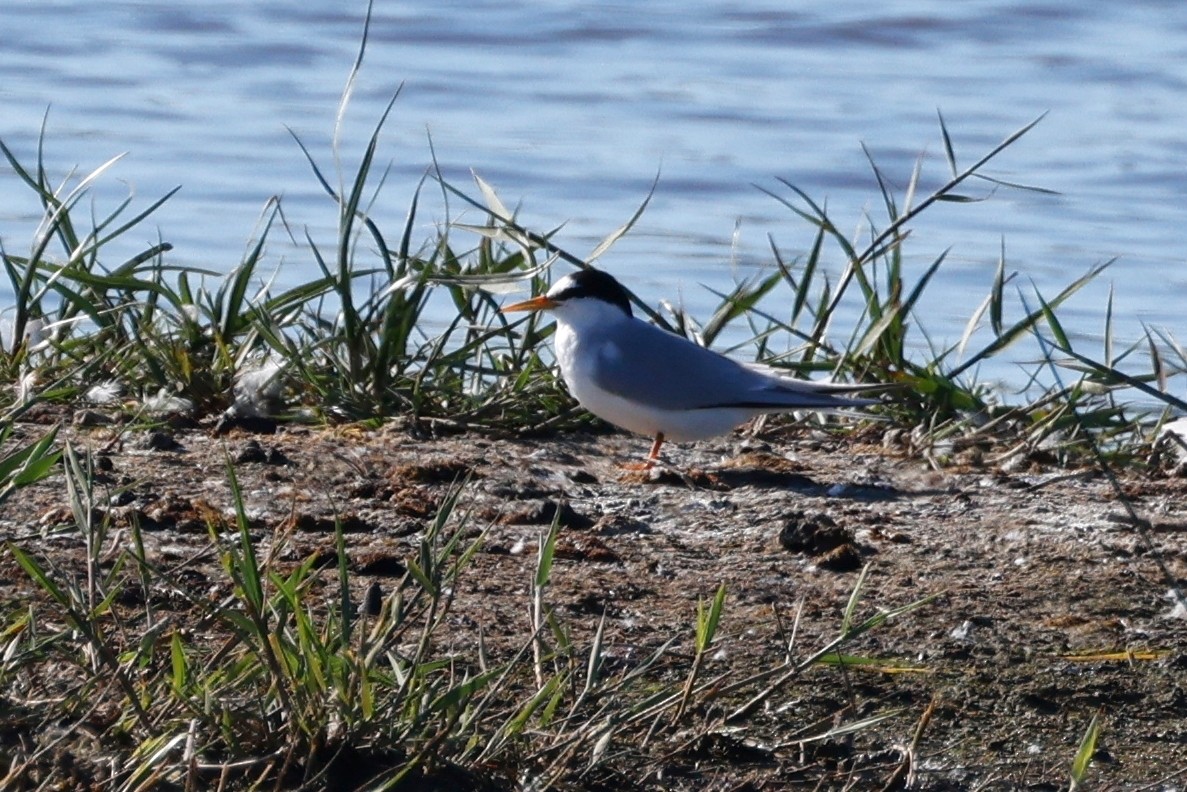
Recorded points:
(313, 523)
(380, 565)
(812, 534)
(580, 476)
(618, 524)
(842, 558)
(817, 535)
(585, 548)
(254, 453)
(252, 424)
(161, 441)
(91, 418)
(721, 747)
(435, 472)
(322, 559)
(544, 513)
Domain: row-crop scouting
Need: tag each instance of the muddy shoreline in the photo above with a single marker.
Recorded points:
(1049, 605)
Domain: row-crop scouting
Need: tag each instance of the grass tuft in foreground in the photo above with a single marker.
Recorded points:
(286, 673)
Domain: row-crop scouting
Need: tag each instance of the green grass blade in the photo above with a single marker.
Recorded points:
(1023, 326)
(1087, 749)
(949, 149)
(1053, 323)
(707, 620)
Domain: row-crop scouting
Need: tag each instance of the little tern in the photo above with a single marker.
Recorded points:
(652, 382)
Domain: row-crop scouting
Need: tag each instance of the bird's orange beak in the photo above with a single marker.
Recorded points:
(540, 303)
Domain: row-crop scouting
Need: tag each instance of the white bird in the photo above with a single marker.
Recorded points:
(655, 383)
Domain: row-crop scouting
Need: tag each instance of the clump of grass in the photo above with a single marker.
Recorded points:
(268, 680)
(275, 672)
(352, 343)
(939, 397)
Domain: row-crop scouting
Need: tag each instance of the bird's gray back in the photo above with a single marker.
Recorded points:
(643, 363)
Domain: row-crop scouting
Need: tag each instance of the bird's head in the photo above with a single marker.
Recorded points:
(587, 292)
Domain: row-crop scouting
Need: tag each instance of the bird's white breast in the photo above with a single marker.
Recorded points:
(577, 349)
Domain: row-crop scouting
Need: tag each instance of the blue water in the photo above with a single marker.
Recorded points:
(570, 111)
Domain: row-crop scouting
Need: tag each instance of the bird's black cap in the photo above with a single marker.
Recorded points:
(595, 283)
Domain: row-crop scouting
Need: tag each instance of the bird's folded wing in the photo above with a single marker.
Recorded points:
(662, 370)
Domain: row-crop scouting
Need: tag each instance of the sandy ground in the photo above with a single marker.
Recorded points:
(1049, 605)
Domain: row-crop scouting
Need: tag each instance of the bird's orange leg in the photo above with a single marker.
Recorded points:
(652, 458)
